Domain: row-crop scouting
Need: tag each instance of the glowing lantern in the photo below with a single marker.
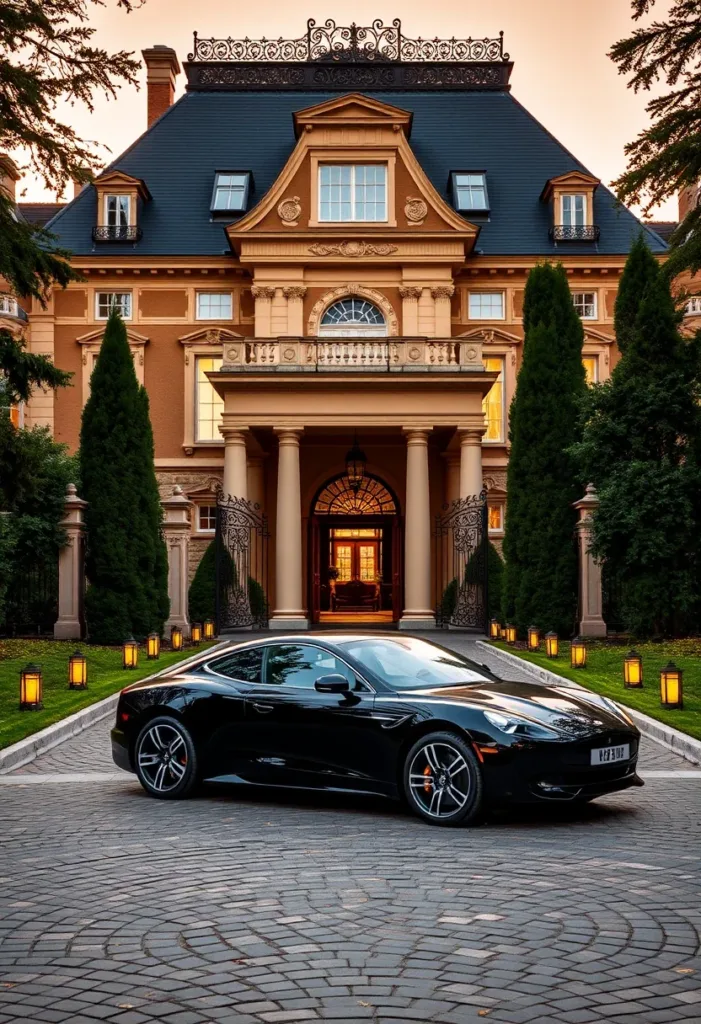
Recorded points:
(130, 653)
(578, 654)
(77, 671)
(633, 671)
(671, 689)
(153, 646)
(31, 688)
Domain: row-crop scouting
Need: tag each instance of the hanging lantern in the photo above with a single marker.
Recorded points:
(208, 629)
(130, 653)
(355, 465)
(510, 634)
(533, 638)
(31, 688)
(578, 653)
(671, 689)
(77, 671)
(196, 633)
(552, 645)
(153, 646)
(176, 638)
(633, 671)
(494, 630)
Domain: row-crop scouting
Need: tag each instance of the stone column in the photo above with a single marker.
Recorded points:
(176, 533)
(418, 613)
(256, 496)
(263, 296)
(70, 624)
(471, 483)
(410, 309)
(591, 622)
(295, 309)
(235, 484)
(442, 295)
(289, 612)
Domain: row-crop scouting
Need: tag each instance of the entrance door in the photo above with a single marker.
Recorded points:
(356, 554)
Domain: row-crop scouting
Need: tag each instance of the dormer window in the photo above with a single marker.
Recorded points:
(470, 191)
(230, 193)
(118, 196)
(572, 199)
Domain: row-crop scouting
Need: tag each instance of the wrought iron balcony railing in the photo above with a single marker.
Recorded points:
(575, 233)
(115, 233)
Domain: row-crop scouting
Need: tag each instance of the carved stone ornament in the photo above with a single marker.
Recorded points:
(213, 337)
(289, 354)
(472, 354)
(294, 291)
(289, 211)
(261, 291)
(415, 210)
(353, 249)
(233, 354)
(410, 291)
(443, 291)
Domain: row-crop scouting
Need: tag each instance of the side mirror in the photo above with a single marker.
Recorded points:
(332, 683)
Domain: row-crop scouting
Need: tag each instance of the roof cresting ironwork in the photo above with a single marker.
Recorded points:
(350, 44)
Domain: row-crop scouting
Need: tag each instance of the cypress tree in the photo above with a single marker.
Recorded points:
(125, 556)
(641, 448)
(540, 576)
(641, 269)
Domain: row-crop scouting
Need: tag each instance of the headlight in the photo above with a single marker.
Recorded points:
(515, 726)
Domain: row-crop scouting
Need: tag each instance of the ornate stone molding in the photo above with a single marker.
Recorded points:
(410, 291)
(443, 291)
(294, 291)
(380, 300)
(259, 291)
(353, 249)
(415, 210)
(289, 211)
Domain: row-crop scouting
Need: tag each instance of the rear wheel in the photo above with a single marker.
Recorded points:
(165, 759)
(442, 780)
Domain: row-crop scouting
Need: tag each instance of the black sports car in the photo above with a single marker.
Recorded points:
(386, 714)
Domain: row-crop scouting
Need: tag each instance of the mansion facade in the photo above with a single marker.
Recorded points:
(322, 247)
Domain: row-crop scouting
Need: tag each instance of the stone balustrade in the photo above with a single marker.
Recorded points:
(364, 354)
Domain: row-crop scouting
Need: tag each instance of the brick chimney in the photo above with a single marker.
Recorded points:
(9, 176)
(689, 197)
(162, 67)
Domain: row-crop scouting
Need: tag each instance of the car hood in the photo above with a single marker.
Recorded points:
(572, 711)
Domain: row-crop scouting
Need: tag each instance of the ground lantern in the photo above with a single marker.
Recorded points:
(533, 638)
(671, 688)
(31, 688)
(552, 645)
(130, 653)
(77, 671)
(153, 646)
(633, 671)
(578, 654)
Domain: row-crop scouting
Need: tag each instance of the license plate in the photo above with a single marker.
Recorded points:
(607, 755)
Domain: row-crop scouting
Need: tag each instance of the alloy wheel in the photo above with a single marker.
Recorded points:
(440, 780)
(162, 757)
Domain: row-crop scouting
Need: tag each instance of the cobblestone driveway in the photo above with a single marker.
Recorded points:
(243, 908)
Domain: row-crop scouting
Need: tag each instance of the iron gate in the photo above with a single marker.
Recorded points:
(241, 564)
(460, 571)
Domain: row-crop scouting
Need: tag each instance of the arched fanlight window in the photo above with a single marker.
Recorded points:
(341, 497)
(353, 318)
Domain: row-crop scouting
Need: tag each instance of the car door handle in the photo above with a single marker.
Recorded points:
(263, 709)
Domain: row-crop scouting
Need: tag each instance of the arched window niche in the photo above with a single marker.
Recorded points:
(352, 317)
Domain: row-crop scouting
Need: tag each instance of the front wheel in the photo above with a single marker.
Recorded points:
(442, 779)
(165, 759)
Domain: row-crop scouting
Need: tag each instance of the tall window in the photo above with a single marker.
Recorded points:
(495, 518)
(352, 318)
(353, 192)
(230, 191)
(486, 306)
(591, 369)
(493, 402)
(208, 404)
(574, 210)
(585, 304)
(117, 211)
(106, 301)
(213, 306)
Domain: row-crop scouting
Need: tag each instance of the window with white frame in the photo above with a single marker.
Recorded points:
(573, 209)
(117, 209)
(105, 302)
(486, 306)
(214, 306)
(693, 306)
(8, 305)
(585, 304)
(353, 192)
(206, 518)
(493, 403)
(230, 191)
(209, 406)
(470, 191)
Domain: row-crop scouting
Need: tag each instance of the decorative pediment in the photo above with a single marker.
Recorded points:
(568, 182)
(597, 337)
(95, 337)
(354, 109)
(491, 336)
(208, 490)
(118, 180)
(209, 336)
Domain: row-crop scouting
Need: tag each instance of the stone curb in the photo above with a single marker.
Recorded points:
(21, 753)
(676, 741)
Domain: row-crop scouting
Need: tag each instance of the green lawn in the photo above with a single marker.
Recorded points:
(604, 674)
(105, 676)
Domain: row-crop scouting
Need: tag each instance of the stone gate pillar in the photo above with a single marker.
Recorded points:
(591, 622)
(176, 533)
(70, 624)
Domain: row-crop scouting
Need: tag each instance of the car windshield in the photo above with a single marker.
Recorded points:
(406, 663)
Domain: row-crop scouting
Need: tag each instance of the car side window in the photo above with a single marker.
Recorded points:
(246, 666)
(301, 665)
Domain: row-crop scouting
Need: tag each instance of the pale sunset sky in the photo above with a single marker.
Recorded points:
(561, 74)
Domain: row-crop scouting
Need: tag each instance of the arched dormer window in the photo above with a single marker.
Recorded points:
(353, 318)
